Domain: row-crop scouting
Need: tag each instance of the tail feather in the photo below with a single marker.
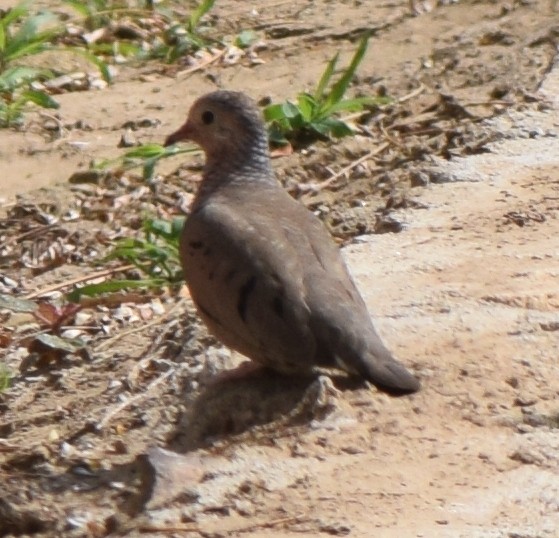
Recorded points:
(389, 375)
(357, 349)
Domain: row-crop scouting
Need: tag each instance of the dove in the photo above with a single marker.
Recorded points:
(265, 275)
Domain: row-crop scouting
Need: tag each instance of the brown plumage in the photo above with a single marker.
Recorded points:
(266, 277)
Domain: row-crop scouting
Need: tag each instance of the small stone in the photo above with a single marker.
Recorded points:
(524, 400)
(127, 140)
(550, 326)
(524, 428)
(418, 178)
(513, 382)
(527, 456)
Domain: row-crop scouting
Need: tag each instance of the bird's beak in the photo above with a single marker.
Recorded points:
(182, 133)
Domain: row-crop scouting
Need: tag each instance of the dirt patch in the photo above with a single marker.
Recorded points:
(465, 292)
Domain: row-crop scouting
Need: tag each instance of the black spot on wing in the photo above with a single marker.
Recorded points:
(244, 294)
(277, 305)
(196, 244)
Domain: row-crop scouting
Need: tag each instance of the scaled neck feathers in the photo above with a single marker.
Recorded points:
(244, 159)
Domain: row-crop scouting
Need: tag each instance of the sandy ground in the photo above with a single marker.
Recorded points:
(467, 295)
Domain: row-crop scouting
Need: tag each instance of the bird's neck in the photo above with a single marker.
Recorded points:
(234, 164)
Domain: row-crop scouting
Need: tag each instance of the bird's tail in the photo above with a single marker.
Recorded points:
(377, 365)
(390, 375)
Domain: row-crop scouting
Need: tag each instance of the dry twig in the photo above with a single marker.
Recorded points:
(202, 65)
(328, 182)
(156, 321)
(134, 399)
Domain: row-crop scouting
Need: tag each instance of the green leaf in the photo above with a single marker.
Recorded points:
(320, 127)
(92, 290)
(340, 87)
(347, 105)
(354, 105)
(31, 29)
(198, 13)
(2, 38)
(19, 50)
(148, 170)
(39, 98)
(245, 39)
(14, 14)
(123, 48)
(307, 106)
(276, 135)
(15, 77)
(147, 151)
(30, 39)
(170, 230)
(81, 7)
(290, 110)
(325, 78)
(97, 62)
(336, 128)
(273, 112)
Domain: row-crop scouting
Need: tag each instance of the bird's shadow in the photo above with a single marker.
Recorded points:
(231, 406)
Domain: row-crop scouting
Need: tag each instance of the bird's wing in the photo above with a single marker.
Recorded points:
(341, 324)
(247, 280)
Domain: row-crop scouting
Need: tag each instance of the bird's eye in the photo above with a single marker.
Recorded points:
(207, 117)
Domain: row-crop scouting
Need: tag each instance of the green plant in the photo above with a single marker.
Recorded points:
(24, 34)
(313, 115)
(245, 39)
(156, 255)
(15, 94)
(98, 13)
(94, 14)
(145, 157)
(31, 36)
(181, 39)
(182, 35)
(18, 41)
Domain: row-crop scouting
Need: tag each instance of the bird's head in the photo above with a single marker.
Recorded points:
(223, 123)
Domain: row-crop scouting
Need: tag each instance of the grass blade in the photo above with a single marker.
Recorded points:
(198, 13)
(307, 106)
(41, 99)
(340, 87)
(356, 104)
(2, 38)
(19, 50)
(15, 77)
(147, 151)
(325, 78)
(79, 6)
(97, 62)
(332, 126)
(15, 13)
(92, 290)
